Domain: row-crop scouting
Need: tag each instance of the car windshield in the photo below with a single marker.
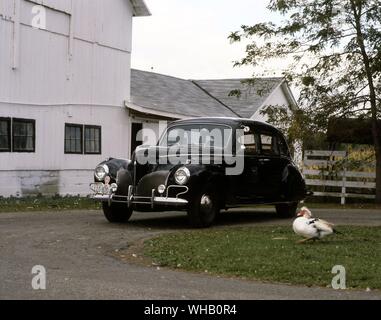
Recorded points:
(204, 135)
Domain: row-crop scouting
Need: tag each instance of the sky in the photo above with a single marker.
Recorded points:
(189, 38)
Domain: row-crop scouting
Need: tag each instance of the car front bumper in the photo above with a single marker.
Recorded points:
(153, 200)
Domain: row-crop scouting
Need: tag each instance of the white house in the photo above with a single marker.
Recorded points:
(64, 77)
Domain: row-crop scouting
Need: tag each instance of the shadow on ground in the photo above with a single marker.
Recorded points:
(179, 221)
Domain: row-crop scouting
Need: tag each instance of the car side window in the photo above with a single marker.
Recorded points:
(248, 143)
(283, 148)
(269, 145)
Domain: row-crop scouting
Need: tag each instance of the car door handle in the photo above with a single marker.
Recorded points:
(264, 160)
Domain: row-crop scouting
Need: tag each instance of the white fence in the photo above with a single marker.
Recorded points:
(317, 167)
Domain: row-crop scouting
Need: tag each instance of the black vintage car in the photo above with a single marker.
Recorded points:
(202, 166)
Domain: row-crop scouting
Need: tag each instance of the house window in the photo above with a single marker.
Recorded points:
(23, 135)
(83, 139)
(92, 140)
(5, 134)
(73, 138)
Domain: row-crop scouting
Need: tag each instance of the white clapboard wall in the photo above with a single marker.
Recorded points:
(316, 165)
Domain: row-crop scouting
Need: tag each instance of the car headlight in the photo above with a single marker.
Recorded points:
(114, 187)
(182, 175)
(101, 172)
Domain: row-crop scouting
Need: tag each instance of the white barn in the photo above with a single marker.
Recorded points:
(62, 91)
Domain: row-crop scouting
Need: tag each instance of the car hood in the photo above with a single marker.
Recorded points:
(146, 160)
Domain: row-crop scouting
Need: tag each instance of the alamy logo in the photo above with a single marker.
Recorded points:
(338, 281)
(204, 144)
(39, 17)
(39, 280)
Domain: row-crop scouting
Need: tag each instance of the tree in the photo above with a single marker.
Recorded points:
(334, 47)
(297, 127)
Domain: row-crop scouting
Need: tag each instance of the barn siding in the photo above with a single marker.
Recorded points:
(75, 71)
(24, 183)
(98, 73)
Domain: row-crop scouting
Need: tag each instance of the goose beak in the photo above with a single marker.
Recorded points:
(300, 214)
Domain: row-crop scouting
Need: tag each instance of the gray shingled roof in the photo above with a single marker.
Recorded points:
(173, 95)
(252, 97)
(140, 8)
(198, 98)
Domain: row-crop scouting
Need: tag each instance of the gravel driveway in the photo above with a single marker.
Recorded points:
(76, 248)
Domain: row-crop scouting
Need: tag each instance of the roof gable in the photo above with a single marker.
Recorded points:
(252, 96)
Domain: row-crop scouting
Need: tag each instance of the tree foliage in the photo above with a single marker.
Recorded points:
(334, 48)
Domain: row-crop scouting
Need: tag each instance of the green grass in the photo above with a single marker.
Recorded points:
(42, 203)
(46, 203)
(271, 254)
(330, 205)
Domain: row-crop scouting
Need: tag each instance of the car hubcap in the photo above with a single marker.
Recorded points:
(206, 203)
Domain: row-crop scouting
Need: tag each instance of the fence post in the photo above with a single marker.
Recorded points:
(344, 180)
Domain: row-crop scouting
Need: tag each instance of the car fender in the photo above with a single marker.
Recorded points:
(151, 181)
(293, 186)
(209, 175)
(115, 165)
(123, 180)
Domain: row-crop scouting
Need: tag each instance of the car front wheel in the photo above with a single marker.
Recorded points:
(116, 213)
(203, 208)
(286, 210)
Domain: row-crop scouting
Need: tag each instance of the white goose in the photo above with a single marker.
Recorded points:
(311, 228)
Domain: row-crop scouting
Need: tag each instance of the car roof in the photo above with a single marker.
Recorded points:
(227, 121)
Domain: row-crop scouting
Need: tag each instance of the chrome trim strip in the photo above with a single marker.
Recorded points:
(153, 200)
(99, 197)
(110, 199)
(177, 186)
(129, 196)
(170, 200)
(135, 163)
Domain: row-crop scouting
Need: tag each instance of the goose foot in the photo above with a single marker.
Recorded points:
(305, 240)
